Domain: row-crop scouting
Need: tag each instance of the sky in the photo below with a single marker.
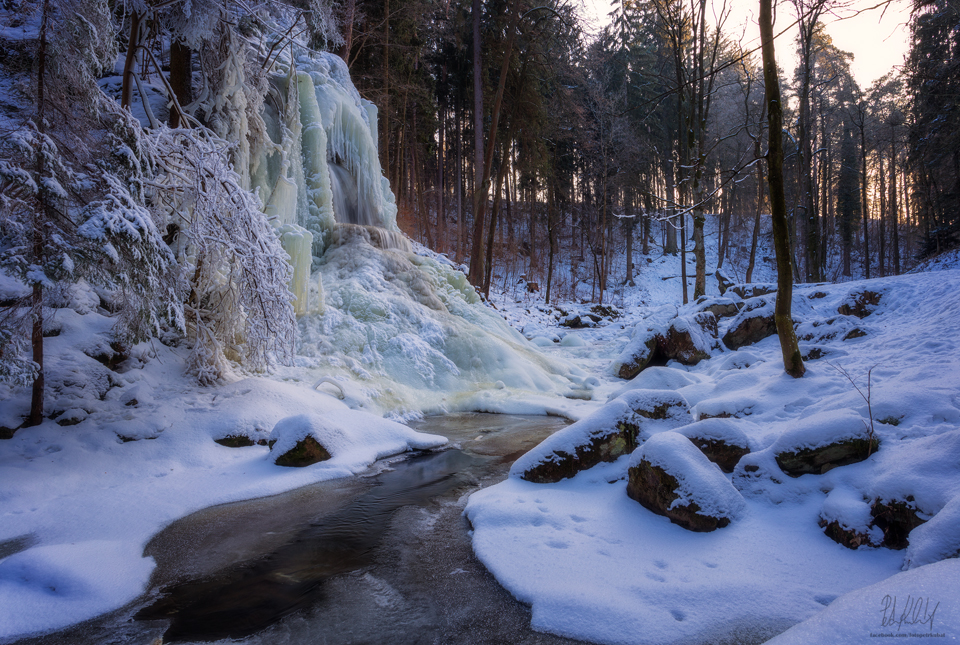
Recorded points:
(877, 38)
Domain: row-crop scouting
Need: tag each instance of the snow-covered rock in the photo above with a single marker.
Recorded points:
(824, 441)
(671, 477)
(720, 439)
(606, 435)
(305, 439)
(754, 323)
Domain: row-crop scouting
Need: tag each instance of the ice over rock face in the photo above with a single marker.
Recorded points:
(408, 328)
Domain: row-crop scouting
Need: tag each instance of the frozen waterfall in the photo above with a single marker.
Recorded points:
(397, 329)
(318, 166)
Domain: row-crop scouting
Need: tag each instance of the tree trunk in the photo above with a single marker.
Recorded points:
(133, 44)
(863, 196)
(181, 79)
(756, 218)
(792, 360)
(881, 229)
(349, 13)
(475, 258)
(480, 194)
(894, 208)
(385, 103)
(36, 336)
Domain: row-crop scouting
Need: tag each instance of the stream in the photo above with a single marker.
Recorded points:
(384, 557)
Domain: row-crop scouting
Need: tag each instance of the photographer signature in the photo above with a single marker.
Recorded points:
(915, 611)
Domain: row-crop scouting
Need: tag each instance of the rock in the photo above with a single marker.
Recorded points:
(896, 518)
(577, 321)
(605, 311)
(637, 354)
(754, 323)
(719, 307)
(670, 477)
(850, 538)
(298, 440)
(689, 339)
(307, 451)
(720, 439)
(856, 332)
(235, 441)
(860, 304)
(824, 441)
(884, 523)
(657, 405)
(819, 331)
(724, 281)
(747, 291)
(606, 435)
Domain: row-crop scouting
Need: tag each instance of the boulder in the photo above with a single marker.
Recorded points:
(578, 321)
(754, 323)
(305, 452)
(747, 291)
(235, 441)
(296, 441)
(886, 523)
(689, 338)
(637, 354)
(724, 281)
(670, 477)
(614, 430)
(720, 439)
(824, 441)
(719, 307)
(606, 435)
(848, 537)
(859, 303)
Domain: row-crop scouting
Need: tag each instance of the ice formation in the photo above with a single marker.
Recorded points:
(318, 166)
(408, 327)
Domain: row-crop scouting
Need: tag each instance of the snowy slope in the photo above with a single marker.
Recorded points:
(596, 565)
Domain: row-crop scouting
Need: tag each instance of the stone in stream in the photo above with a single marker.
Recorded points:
(296, 441)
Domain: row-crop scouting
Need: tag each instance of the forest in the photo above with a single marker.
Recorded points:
(314, 314)
(514, 141)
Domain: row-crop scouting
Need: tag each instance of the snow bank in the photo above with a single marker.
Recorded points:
(936, 540)
(595, 565)
(922, 603)
(351, 441)
(47, 587)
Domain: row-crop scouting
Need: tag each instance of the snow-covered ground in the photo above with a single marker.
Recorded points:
(83, 493)
(596, 565)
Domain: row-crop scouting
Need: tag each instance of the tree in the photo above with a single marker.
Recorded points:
(848, 195)
(77, 212)
(789, 348)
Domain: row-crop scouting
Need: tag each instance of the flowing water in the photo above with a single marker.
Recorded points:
(381, 558)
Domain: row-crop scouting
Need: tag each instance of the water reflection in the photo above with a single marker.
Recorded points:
(249, 596)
